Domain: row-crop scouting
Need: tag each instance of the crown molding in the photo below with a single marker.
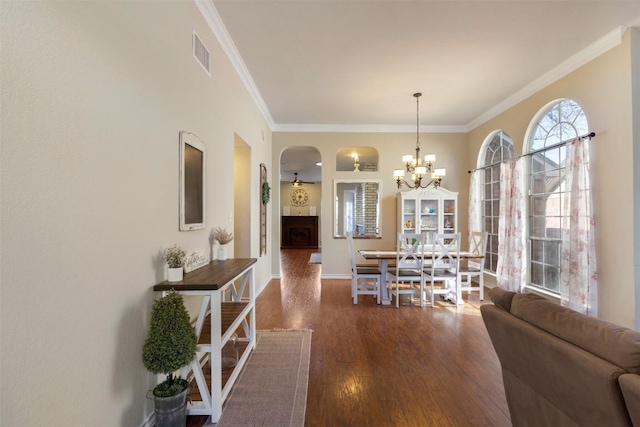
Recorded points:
(213, 19)
(606, 43)
(367, 128)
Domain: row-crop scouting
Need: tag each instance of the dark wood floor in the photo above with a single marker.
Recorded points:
(381, 366)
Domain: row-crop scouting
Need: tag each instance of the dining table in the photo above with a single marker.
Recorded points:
(384, 256)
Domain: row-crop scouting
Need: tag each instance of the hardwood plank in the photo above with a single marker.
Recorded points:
(377, 365)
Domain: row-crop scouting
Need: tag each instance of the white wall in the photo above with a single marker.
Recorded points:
(93, 96)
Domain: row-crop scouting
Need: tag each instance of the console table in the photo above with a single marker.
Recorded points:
(221, 284)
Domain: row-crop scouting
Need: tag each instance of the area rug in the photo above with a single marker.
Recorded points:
(315, 258)
(272, 387)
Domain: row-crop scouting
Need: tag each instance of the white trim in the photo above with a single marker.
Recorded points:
(606, 43)
(213, 19)
(335, 276)
(211, 16)
(367, 128)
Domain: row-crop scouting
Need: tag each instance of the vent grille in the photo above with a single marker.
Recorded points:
(201, 54)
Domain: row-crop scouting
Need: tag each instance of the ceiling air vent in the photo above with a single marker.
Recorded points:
(201, 54)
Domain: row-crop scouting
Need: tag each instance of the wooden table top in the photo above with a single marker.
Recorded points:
(210, 277)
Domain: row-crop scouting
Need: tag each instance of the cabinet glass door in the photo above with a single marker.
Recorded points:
(409, 216)
(449, 216)
(428, 216)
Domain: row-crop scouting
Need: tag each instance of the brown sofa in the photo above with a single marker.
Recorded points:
(562, 368)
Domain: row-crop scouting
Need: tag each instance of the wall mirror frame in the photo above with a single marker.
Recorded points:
(192, 182)
(357, 207)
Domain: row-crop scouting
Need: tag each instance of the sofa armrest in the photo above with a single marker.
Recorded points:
(630, 385)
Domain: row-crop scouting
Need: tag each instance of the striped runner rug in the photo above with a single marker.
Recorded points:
(272, 387)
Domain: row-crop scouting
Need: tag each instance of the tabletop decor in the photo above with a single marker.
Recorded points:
(175, 257)
(195, 259)
(222, 236)
(170, 345)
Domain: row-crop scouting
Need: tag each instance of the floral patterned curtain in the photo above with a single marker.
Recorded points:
(578, 272)
(475, 208)
(511, 269)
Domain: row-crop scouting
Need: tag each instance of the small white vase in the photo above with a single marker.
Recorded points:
(175, 274)
(222, 253)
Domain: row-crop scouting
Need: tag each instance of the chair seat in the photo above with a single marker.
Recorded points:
(470, 270)
(441, 273)
(367, 270)
(403, 273)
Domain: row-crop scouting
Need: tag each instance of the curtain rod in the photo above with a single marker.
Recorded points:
(589, 135)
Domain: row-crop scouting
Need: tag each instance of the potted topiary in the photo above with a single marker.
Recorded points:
(175, 257)
(170, 345)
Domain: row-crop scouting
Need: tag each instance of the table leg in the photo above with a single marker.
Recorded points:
(385, 297)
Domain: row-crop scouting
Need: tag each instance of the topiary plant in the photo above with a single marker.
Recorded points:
(170, 344)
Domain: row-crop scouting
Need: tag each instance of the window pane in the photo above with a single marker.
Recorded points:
(537, 205)
(537, 250)
(537, 226)
(552, 278)
(552, 253)
(537, 183)
(537, 274)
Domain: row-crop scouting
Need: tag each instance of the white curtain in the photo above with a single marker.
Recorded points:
(578, 272)
(511, 269)
(475, 200)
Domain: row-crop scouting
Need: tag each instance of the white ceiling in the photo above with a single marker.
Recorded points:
(354, 65)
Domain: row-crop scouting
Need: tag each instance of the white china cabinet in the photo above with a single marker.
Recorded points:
(427, 210)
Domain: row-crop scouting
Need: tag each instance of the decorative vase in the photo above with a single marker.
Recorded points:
(222, 253)
(175, 274)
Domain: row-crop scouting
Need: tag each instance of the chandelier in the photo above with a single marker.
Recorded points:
(419, 167)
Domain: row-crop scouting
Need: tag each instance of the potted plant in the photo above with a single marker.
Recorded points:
(175, 257)
(170, 345)
(222, 236)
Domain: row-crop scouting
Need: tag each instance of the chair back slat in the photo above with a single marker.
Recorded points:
(445, 249)
(409, 253)
(478, 246)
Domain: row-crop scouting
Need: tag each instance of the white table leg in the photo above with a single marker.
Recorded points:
(385, 297)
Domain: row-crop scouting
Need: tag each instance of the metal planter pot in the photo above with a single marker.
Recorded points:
(171, 411)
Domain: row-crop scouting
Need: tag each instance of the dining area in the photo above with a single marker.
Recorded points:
(427, 264)
(423, 265)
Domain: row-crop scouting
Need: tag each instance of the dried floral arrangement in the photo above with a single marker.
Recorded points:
(221, 235)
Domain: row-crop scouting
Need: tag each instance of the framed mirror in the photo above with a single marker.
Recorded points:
(357, 207)
(192, 182)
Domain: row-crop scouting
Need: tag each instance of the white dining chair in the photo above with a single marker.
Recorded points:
(444, 268)
(365, 279)
(474, 267)
(408, 272)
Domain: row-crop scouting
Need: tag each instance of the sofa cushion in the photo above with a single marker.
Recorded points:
(616, 344)
(501, 298)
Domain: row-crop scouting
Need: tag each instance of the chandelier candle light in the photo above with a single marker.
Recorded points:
(417, 166)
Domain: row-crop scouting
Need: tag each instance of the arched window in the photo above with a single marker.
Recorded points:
(496, 148)
(557, 123)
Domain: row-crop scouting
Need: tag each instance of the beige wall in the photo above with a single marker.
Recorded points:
(603, 89)
(93, 96)
(451, 153)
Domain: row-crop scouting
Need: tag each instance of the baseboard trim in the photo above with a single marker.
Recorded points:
(150, 421)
